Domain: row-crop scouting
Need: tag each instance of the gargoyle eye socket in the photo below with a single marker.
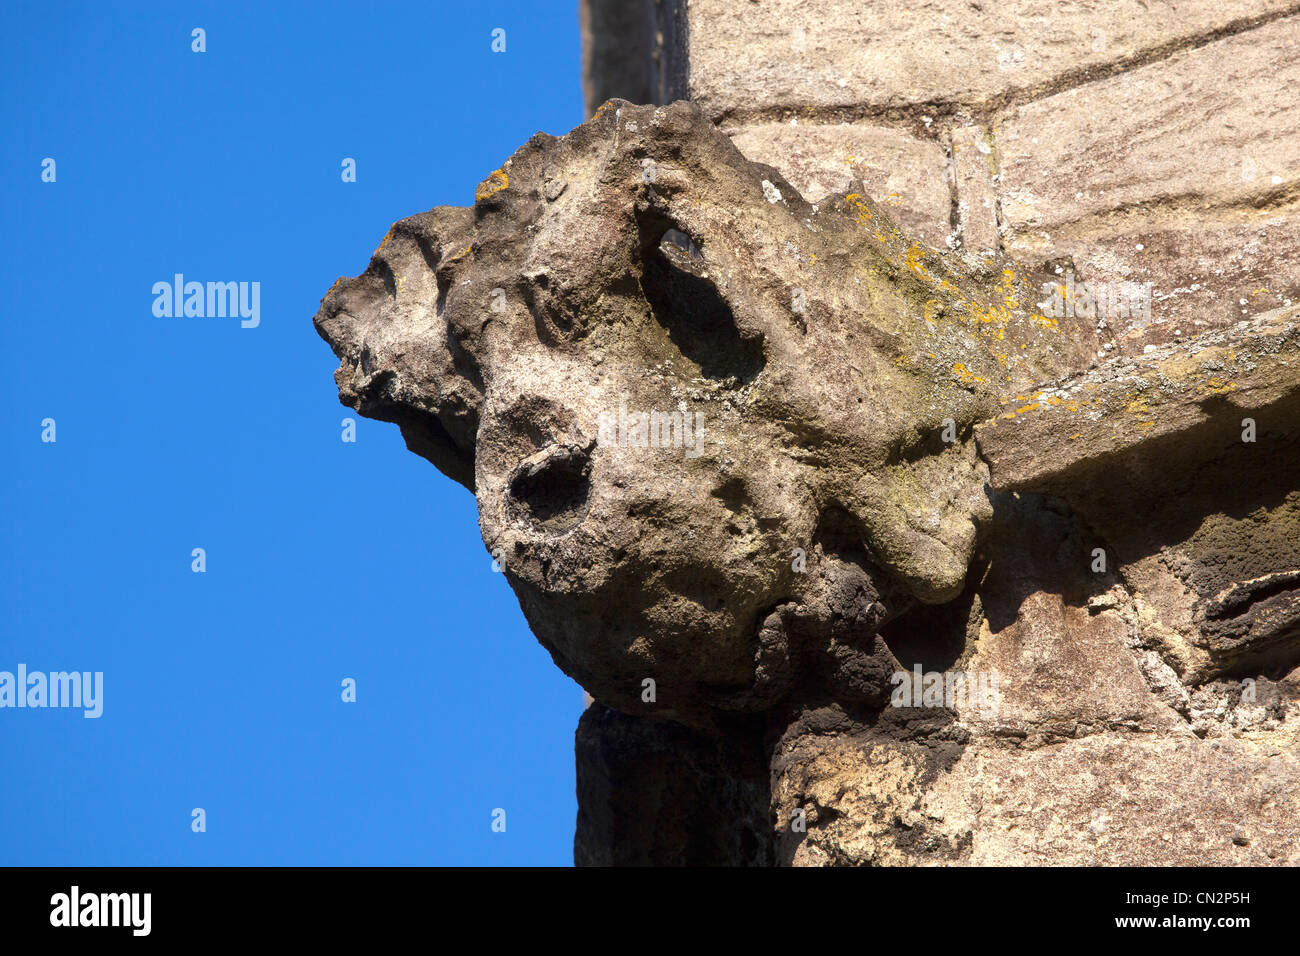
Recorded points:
(687, 302)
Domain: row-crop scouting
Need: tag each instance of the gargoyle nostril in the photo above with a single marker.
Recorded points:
(551, 488)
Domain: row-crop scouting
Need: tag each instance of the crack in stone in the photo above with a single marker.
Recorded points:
(907, 116)
(1284, 198)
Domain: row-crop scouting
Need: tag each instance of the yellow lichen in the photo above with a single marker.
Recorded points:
(492, 185)
(1009, 289)
(854, 201)
(1138, 406)
(915, 254)
(966, 375)
(1216, 386)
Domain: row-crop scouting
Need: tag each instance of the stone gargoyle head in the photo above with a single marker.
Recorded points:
(703, 418)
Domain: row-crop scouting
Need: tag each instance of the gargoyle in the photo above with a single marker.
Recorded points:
(710, 426)
(636, 283)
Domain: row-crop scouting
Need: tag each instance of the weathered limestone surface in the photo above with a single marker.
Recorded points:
(1186, 463)
(842, 55)
(1104, 799)
(905, 174)
(1181, 173)
(860, 459)
(1132, 408)
(973, 173)
(1214, 121)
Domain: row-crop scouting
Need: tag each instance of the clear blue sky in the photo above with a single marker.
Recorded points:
(325, 560)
